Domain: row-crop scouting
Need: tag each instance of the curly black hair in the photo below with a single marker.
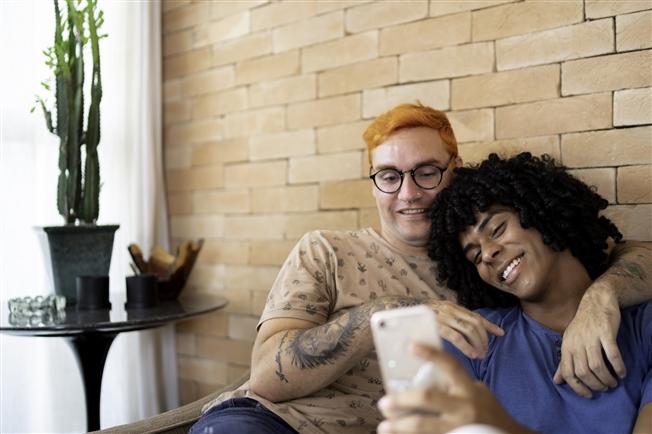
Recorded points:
(563, 209)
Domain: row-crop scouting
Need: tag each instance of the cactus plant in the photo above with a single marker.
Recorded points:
(77, 191)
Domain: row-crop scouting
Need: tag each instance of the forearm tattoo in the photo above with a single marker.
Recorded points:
(324, 344)
(632, 271)
(629, 270)
(279, 371)
(629, 273)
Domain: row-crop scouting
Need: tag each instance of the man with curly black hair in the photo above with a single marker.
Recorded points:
(564, 210)
(523, 239)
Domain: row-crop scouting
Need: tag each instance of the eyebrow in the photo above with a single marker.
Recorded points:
(422, 163)
(481, 227)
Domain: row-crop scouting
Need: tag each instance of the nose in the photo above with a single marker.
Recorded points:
(491, 251)
(409, 191)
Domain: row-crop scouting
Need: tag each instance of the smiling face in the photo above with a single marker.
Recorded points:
(404, 221)
(510, 258)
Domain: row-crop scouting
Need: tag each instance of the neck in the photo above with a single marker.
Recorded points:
(416, 249)
(557, 305)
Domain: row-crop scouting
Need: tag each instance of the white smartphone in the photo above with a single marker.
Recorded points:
(393, 331)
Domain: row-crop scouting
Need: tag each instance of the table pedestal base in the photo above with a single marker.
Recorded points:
(90, 351)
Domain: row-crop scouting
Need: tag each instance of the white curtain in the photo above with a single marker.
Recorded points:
(40, 384)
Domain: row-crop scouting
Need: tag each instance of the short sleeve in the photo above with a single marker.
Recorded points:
(304, 288)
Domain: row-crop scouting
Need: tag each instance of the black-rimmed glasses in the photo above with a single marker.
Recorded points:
(425, 176)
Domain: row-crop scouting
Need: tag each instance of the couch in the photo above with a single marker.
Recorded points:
(177, 421)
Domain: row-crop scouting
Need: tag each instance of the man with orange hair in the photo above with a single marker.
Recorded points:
(313, 366)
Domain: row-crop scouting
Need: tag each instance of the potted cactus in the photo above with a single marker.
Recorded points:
(80, 247)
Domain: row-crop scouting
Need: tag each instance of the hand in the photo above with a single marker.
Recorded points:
(592, 331)
(437, 411)
(464, 329)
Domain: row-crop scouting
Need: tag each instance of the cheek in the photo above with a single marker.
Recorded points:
(490, 277)
(432, 195)
(378, 196)
(383, 204)
(484, 274)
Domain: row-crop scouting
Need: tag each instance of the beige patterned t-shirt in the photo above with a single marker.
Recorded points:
(326, 273)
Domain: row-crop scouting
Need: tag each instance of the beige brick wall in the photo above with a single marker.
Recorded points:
(265, 103)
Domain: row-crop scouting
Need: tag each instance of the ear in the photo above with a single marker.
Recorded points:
(458, 161)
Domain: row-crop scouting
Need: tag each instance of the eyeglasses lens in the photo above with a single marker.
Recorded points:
(390, 180)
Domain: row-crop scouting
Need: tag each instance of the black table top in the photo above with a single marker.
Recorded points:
(117, 319)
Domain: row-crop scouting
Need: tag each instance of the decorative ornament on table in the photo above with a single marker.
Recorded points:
(172, 270)
(37, 311)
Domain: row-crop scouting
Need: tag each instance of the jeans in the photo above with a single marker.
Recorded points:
(240, 416)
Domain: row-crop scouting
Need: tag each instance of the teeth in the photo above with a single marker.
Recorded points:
(510, 267)
(413, 211)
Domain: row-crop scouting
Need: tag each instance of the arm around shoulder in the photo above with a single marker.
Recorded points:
(593, 331)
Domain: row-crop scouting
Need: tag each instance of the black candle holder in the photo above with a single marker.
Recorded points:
(142, 291)
(93, 292)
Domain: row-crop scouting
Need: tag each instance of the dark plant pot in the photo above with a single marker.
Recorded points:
(78, 251)
(142, 291)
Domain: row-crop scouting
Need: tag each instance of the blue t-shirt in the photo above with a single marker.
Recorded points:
(520, 365)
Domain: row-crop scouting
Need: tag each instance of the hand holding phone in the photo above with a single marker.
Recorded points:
(393, 331)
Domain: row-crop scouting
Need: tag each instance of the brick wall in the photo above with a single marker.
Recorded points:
(265, 103)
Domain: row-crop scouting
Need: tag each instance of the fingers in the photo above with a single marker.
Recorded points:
(584, 373)
(598, 366)
(590, 367)
(465, 329)
(558, 378)
(568, 375)
(473, 331)
(579, 388)
(462, 344)
(491, 327)
(613, 355)
(422, 400)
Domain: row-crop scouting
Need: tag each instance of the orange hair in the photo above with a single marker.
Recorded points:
(409, 116)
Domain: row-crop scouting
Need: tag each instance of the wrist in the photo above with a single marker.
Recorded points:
(601, 294)
(392, 302)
